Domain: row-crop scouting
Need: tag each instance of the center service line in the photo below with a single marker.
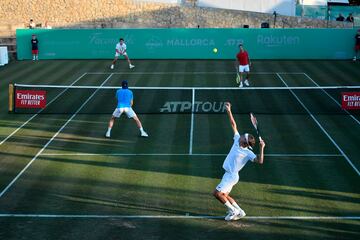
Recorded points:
(192, 122)
(53, 137)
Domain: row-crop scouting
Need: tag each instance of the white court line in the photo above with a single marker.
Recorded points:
(188, 154)
(192, 122)
(185, 88)
(87, 216)
(354, 118)
(188, 73)
(33, 116)
(321, 127)
(53, 137)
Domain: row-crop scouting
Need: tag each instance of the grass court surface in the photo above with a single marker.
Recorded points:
(61, 179)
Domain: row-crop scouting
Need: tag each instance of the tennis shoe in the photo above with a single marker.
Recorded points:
(241, 85)
(112, 66)
(131, 66)
(246, 82)
(107, 134)
(232, 215)
(354, 59)
(240, 215)
(144, 134)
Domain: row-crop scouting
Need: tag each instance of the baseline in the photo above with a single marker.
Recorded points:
(186, 216)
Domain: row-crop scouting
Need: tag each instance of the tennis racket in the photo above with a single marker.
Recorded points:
(255, 124)
(237, 74)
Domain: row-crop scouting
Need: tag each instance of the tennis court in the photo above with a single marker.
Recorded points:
(60, 178)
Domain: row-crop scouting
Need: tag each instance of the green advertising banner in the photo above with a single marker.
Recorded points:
(189, 43)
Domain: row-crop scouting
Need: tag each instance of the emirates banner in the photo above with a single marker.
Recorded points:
(350, 100)
(30, 99)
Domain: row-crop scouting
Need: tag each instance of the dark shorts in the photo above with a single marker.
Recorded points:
(357, 47)
(35, 52)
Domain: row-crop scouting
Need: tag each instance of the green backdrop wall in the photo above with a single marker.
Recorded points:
(189, 43)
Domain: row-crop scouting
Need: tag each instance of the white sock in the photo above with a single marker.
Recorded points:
(229, 206)
(109, 129)
(235, 205)
(141, 129)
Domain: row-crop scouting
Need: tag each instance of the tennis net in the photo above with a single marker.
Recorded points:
(59, 99)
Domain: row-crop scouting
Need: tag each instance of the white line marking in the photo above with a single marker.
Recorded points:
(7, 215)
(33, 116)
(187, 88)
(354, 118)
(192, 122)
(188, 154)
(53, 137)
(189, 73)
(321, 127)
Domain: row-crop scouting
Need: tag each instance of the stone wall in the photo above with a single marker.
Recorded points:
(129, 13)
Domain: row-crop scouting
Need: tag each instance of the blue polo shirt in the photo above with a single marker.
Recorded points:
(124, 98)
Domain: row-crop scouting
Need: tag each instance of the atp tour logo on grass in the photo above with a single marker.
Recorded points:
(350, 100)
(30, 99)
(206, 107)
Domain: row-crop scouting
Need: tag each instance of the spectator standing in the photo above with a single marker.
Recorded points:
(32, 24)
(350, 18)
(35, 47)
(357, 45)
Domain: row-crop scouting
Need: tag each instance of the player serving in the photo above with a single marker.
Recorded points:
(120, 50)
(125, 101)
(239, 155)
(243, 62)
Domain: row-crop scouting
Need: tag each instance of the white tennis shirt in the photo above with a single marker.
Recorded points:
(121, 47)
(237, 157)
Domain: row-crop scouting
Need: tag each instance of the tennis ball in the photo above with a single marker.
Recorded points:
(215, 50)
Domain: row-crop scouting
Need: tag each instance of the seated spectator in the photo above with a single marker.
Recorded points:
(47, 26)
(350, 18)
(340, 18)
(32, 24)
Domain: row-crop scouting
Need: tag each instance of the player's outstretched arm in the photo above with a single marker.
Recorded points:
(260, 157)
(231, 118)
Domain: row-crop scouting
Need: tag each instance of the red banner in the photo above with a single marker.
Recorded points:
(30, 99)
(350, 100)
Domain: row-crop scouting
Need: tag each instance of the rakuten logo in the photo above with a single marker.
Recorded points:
(184, 106)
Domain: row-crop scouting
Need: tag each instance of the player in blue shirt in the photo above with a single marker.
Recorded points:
(124, 97)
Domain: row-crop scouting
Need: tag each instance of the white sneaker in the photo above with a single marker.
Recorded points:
(107, 134)
(240, 215)
(232, 215)
(144, 134)
(354, 59)
(131, 66)
(112, 66)
(246, 82)
(241, 85)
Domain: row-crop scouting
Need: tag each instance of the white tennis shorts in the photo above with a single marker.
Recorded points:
(118, 54)
(227, 182)
(127, 110)
(244, 68)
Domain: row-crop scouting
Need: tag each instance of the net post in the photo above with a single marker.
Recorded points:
(11, 98)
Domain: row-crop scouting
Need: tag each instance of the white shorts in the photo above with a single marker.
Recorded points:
(118, 54)
(244, 68)
(128, 110)
(227, 182)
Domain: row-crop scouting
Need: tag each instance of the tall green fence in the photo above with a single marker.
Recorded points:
(189, 43)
